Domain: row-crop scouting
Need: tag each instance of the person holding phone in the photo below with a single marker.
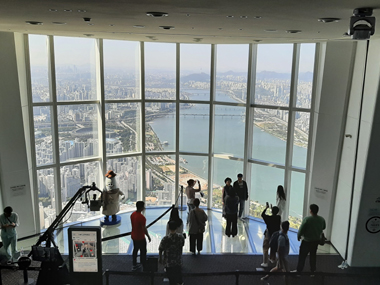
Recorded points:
(273, 223)
(190, 193)
(9, 222)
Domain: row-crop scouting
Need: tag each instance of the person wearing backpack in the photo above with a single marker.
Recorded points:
(281, 240)
(273, 224)
(197, 224)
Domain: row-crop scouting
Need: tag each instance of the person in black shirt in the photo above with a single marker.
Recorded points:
(273, 223)
(231, 208)
(241, 189)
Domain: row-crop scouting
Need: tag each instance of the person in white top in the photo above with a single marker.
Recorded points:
(281, 201)
(190, 193)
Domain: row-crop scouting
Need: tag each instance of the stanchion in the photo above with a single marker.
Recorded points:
(182, 207)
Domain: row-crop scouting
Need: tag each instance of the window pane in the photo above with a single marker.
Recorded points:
(264, 182)
(38, 56)
(160, 180)
(305, 75)
(301, 139)
(195, 72)
(231, 73)
(194, 127)
(229, 130)
(269, 135)
(46, 197)
(78, 131)
(160, 71)
(194, 167)
(274, 67)
(223, 168)
(75, 69)
(128, 170)
(43, 135)
(74, 177)
(122, 127)
(297, 193)
(160, 126)
(121, 70)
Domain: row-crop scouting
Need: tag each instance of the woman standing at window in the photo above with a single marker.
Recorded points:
(281, 201)
(174, 217)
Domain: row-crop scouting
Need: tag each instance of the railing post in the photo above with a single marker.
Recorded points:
(107, 277)
(323, 279)
(237, 275)
(152, 278)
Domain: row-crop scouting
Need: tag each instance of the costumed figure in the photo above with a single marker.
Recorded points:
(110, 197)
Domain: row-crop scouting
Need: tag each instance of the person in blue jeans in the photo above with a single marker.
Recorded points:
(241, 190)
(9, 222)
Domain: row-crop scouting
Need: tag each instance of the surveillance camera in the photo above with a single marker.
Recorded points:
(362, 26)
(87, 19)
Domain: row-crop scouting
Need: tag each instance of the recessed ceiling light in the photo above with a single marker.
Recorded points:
(240, 29)
(90, 24)
(220, 28)
(112, 25)
(53, 10)
(34, 23)
(88, 35)
(230, 16)
(192, 28)
(329, 20)
(81, 11)
(270, 31)
(139, 26)
(157, 14)
(67, 10)
(167, 27)
(294, 31)
(59, 23)
(257, 41)
(257, 17)
(244, 17)
(188, 15)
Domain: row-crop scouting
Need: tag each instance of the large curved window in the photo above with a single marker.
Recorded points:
(174, 118)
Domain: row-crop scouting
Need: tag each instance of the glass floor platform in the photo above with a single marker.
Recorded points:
(249, 239)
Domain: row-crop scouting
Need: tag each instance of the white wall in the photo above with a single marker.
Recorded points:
(364, 247)
(345, 178)
(329, 118)
(13, 159)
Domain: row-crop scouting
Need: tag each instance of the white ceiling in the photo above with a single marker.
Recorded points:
(194, 21)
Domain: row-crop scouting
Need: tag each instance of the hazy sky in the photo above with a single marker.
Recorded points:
(194, 57)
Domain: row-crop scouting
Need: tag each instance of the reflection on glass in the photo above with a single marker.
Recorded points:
(305, 75)
(229, 130)
(160, 126)
(274, 67)
(160, 71)
(43, 135)
(121, 70)
(301, 137)
(128, 170)
(122, 127)
(264, 182)
(46, 197)
(231, 73)
(74, 177)
(194, 167)
(223, 168)
(194, 127)
(195, 72)
(297, 193)
(160, 178)
(38, 57)
(269, 135)
(75, 69)
(78, 131)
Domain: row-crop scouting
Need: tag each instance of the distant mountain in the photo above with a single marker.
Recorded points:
(306, 76)
(198, 77)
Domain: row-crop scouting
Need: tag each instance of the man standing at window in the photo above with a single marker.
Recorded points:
(241, 190)
(139, 231)
(9, 222)
(311, 230)
(171, 246)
